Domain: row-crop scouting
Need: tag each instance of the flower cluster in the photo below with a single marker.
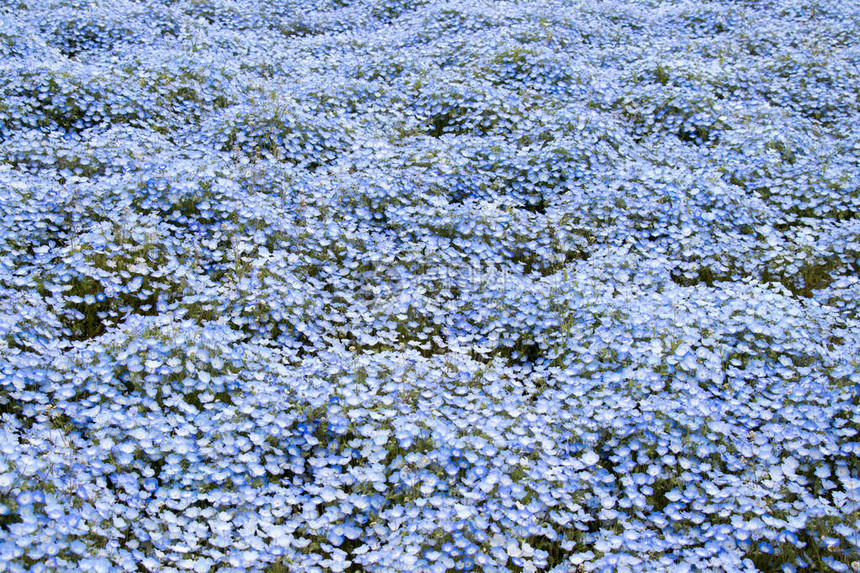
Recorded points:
(385, 285)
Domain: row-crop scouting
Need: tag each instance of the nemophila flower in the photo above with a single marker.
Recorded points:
(400, 320)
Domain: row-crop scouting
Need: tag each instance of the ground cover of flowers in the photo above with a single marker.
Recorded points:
(382, 285)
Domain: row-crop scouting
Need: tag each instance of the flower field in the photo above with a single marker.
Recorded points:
(428, 285)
